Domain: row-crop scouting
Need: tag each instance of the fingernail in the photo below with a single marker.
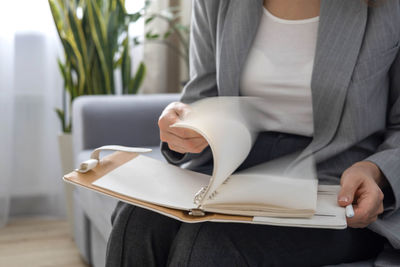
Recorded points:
(343, 199)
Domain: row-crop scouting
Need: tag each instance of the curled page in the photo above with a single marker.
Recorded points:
(229, 124)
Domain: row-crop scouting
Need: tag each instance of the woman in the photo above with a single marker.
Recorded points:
(336, 65)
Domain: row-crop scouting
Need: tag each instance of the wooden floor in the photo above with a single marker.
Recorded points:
(38, 242)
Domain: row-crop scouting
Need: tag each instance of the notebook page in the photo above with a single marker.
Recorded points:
(225, 122)
(269, 186)
(156, 182)
(328, 213)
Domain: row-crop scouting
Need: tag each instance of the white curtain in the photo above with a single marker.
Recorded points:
(30, 89)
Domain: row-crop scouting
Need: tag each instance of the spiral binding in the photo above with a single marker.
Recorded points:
(213, 194)
(226, 180)
(199, 195)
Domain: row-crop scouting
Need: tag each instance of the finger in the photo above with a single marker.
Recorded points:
(370, 206)
(194, 145)
(365, 211)
(350, 184)
(360, 218)
(191, 145)
(184, 133)
(372, 219)
(381, 209)
(181, 109)
(176, 148)
(185, 150)
(201, 147)
(171, 139)
(173, 112)
(173, 144)
(178, 108)
(166, 119)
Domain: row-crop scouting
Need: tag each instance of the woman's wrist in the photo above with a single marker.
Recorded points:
(373, 171)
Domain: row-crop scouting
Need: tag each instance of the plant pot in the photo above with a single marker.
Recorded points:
(67, 163)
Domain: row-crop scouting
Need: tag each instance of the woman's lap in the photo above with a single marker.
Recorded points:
(139, 237)
(144, 238)
(230, 244)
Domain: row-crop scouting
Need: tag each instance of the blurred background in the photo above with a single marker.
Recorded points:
(52, 53)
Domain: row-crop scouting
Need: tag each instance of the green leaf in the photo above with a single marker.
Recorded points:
(98, 30)
(78, 64)
(151, 36)
(137, 81)
(136, 41)
(148, 20)
(61, 67)
(112, 32)
(77, 31)
(126, 67)
(121, 4)
(134, 17)
(167, 34)
(118, 63)
(56, 13)
(66, 128)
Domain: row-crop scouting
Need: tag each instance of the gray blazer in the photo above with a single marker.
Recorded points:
(355, 84)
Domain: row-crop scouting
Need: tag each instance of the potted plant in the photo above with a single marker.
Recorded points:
(175, 35)
(97, 46)
(96, 42)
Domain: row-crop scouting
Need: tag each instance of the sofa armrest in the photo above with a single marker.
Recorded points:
(120, 120)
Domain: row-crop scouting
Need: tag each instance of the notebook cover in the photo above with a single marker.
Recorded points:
(113, 161)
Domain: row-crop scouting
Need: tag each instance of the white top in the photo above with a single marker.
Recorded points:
(278, 69)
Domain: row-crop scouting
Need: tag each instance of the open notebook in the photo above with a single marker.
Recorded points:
(281, 192)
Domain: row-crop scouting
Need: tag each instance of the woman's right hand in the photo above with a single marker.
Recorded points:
(179, 139)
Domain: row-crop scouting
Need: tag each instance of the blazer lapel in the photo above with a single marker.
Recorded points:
(240, 27)
(340, 34)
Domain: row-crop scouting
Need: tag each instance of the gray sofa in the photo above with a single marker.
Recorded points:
(105, 120)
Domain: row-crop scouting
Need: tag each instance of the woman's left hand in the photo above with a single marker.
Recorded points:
(361, 185)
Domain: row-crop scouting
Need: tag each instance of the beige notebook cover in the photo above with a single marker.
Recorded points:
(117, 159)
(327, 215)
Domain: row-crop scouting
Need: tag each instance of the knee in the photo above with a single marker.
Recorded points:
(140, 237)
(205, 244)
(132, 221)
(120, 208)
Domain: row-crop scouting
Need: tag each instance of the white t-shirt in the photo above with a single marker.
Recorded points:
(278, 69)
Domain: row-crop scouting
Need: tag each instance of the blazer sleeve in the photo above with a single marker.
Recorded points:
(203, 77)
(387, 157)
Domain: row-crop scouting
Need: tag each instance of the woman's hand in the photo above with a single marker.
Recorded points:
(179, 139)
(361, 185)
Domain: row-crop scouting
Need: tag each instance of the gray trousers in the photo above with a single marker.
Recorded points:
(143, 238)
